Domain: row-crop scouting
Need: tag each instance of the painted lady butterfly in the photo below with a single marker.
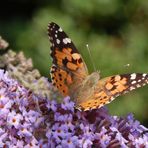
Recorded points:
(70, 75)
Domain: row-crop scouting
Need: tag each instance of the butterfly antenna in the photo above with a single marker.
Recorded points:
(91, 57)
(127, 65)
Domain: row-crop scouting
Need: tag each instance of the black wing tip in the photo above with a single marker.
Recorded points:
(52, 25)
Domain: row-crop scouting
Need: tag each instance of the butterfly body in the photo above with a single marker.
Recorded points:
(70, 75)
(85, 90)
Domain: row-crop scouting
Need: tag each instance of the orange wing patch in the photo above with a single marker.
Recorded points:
(98, 100)
(116, 85)
(61, 79)
(65, 57)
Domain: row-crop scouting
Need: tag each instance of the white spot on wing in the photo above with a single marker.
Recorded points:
(79, 108)
(60, 29)
(112, 98)
(138, 85)
(117, 95)
(101, 105)
(66, 40)
(58, 41)
(144, 74)
(93, 107)
(117, 78)
(133, 76)
(50, 38)
(133, 82)
(125, 92)
(132, 88)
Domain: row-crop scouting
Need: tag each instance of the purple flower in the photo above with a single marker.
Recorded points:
(70, 142)
(28, 120)
(14, 119)
(67, 104)
(52, 105)
(85, 143)
(103, 138)
(3, 137)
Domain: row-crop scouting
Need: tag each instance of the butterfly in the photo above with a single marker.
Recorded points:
(70, 75)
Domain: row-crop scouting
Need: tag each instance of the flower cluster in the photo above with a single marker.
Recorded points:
(28, 121)
(21, 68)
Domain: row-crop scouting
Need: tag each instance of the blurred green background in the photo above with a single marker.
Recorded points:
(115, 30)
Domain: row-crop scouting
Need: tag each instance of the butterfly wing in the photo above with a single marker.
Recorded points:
(109, 88)
(68, 66)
